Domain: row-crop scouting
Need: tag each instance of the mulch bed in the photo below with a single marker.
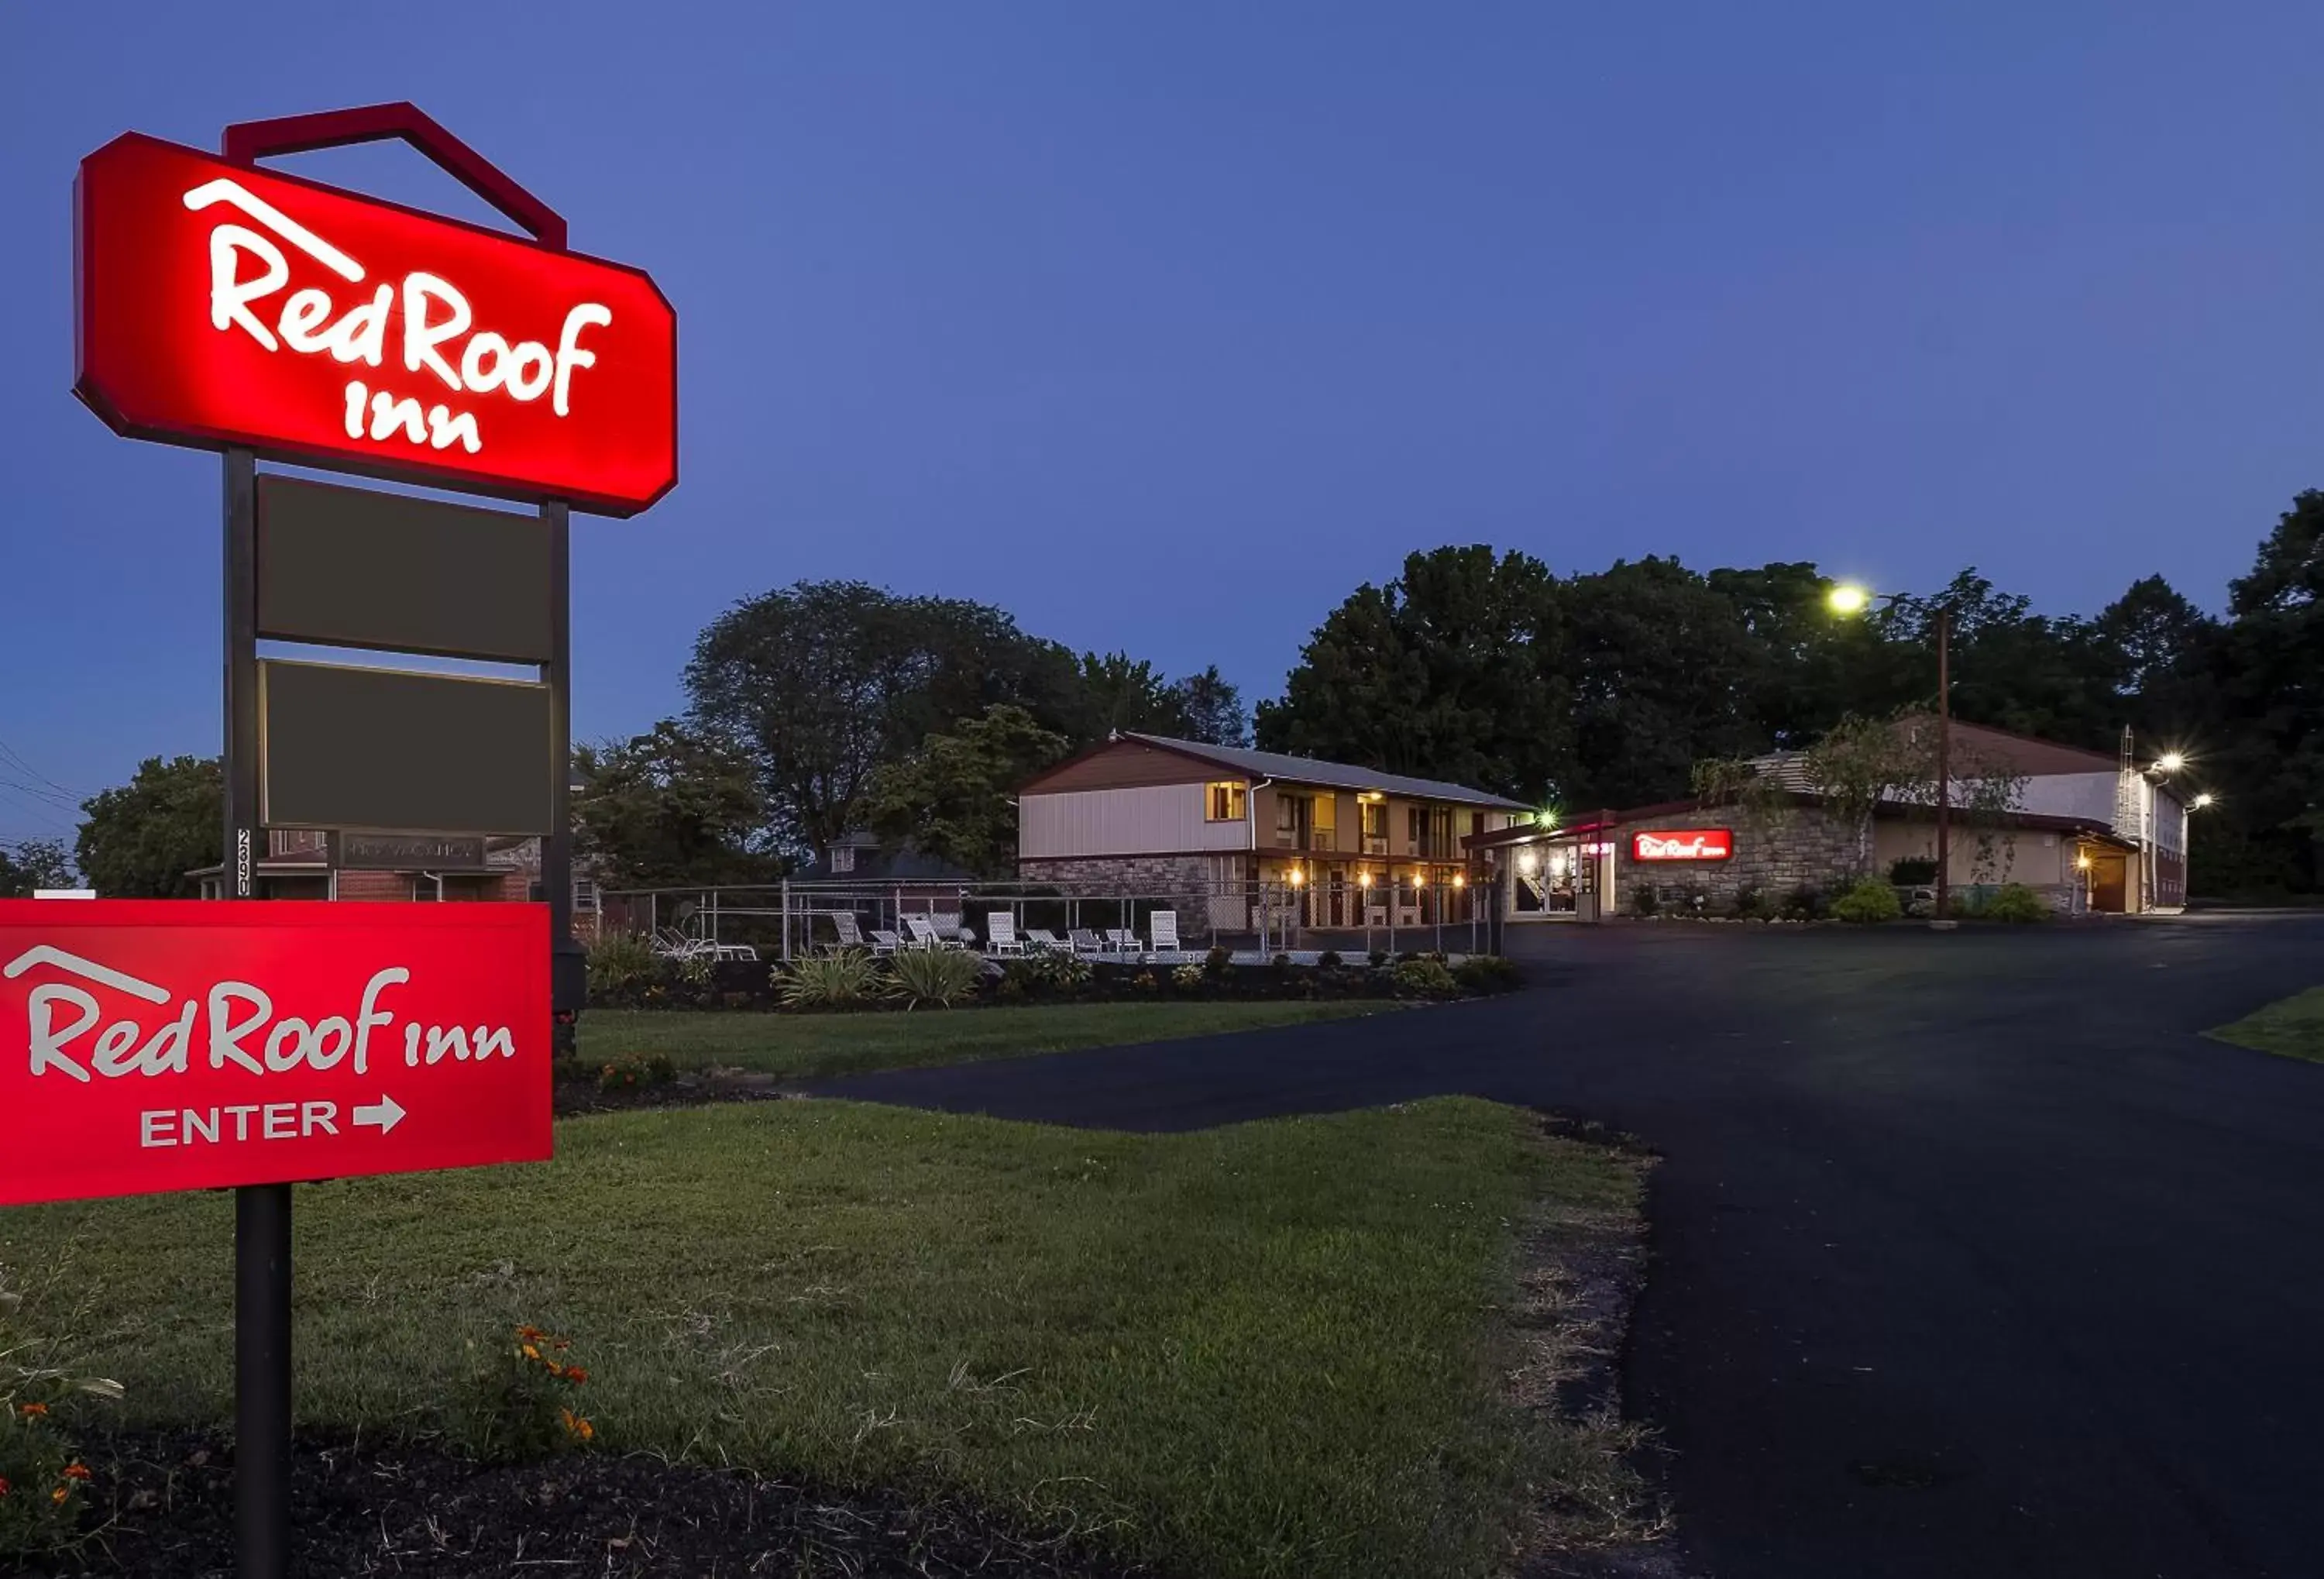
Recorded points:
(165, 1502)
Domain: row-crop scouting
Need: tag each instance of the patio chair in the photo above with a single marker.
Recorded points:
(1164, 925)
(925, 934)
(884, 942)
(1085, 941)
(1122, 940)
(850, 931)
(1001, 933)
(1041, 940)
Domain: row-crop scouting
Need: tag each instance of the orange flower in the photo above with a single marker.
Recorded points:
(576, 1375)
(77, 1471)
(31, 1411)
(530, 1352)
(531, 1333)
(59, 1495)
(561, 1345)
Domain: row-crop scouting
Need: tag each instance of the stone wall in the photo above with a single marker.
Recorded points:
(1774, 854)
(1204, 898)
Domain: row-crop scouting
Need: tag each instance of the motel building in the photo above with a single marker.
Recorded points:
(1331, 846)
(2091, 833)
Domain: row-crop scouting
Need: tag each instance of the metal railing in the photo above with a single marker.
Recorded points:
(784, 920)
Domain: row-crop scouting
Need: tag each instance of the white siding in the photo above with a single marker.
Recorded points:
(1149, 820)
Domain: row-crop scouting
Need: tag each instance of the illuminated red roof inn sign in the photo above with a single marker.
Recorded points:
(222, 305)
(1682, 845)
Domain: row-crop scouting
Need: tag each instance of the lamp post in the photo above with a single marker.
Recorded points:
(1846, 599)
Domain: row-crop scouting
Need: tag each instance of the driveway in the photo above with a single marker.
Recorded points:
(1970, 1257)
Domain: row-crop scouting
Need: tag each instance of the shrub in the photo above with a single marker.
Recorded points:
(1487, 973)
(2015, 902)
(1912, 871)
(1282, 962)
(1146, 982)
(698, 971)
(1424, 978)
(1329, 960)
(523, 1397)
(1378, 956)
(1189, 977)
(39, 1463)
(1751, 904)
(622, 963)
(1644, 900)
(1219, 961)
(1804, 903)
(636, 1073)
(828, 980)
(1049, 972)
(1871, 899)
(940, 976)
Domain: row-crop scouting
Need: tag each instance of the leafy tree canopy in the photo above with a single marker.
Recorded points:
(140, 839)
(33, 865)
(954, 797)
(669, 808)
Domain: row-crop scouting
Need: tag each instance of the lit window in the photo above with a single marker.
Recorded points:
(1222, 801)
(842, 858)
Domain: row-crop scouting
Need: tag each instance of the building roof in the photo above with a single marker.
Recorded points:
(1607, 822)
(1276, 764)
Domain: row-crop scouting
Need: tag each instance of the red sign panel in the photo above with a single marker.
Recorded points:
(222, 305)
(1682, 845)
(171, 1044)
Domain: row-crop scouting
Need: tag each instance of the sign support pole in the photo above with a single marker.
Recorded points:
(569, 968)
(262, 1213)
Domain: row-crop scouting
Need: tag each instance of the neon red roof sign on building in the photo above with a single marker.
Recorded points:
(1682, 845)
(220, 305)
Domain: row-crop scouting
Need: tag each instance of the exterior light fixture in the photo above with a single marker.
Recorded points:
(1298, 877)
(1461, 879)
(2201, 801)
(2082, 861)
(1848, 598)
(2170, 761)
(1364, 879)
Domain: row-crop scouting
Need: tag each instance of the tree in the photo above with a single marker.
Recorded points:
(819, 683)
(1439, 673)
(33, 865)
(669, 808)
(1663, 671)
(139, 839)
(2271, 672)
(1210, 709)
(955, 798)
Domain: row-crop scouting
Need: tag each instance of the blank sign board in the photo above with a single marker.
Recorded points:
(381, 748)
(354, 568)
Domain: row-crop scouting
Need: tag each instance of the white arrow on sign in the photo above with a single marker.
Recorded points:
(385, 1113)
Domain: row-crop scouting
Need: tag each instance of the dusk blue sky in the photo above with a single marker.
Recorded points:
(1166, 326)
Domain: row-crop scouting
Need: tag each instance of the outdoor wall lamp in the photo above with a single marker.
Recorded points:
(2170, 761)
(2201, 801)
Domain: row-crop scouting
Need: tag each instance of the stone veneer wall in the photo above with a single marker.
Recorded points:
(1777, 854)
(1185, 882)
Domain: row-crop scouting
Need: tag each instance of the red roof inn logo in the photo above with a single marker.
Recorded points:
(221, 304)
(158, 1045)
(1682, 845)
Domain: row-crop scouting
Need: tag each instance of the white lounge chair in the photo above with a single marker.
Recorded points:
(1085, 941)
(884, 942)
(1122, 940)
(1164, 925)
(1041, 940)
(850, 931)
(1001, 933)
(926, 934)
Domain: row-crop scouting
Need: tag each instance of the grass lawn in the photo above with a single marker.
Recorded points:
(1277, 1349)
(799, 1045)
(2293, 1027)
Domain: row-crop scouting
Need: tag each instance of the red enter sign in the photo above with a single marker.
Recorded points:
(1682, 845)
(222, 305)
(168, 1045)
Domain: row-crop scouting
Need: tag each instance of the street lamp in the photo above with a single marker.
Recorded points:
(1847, 598)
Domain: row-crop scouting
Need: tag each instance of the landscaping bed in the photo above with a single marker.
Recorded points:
(2290, 1028)
(162, 1508)
(1266, 1351)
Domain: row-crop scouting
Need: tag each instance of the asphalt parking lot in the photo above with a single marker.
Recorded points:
(1971, 1255)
